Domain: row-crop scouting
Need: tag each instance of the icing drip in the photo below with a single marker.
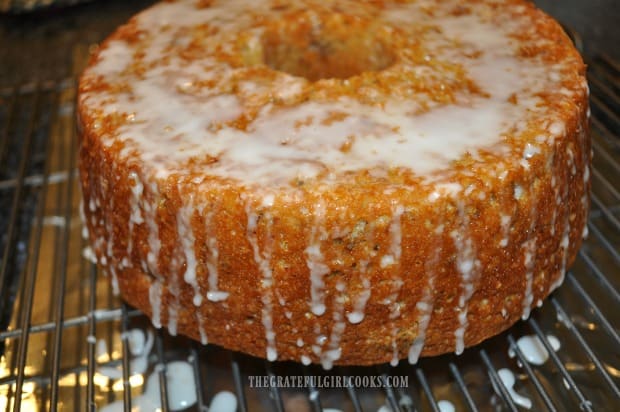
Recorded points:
(529, 258)
(154, 243)
(263, 261)
(135, 217)
(316, 262)
(334, 351)
(586, 180)
(201, 328)
(173, 287)
(88, 254)
(319, 341)
(85, 234)
(425, 309)
(396, 234)
(357, 315)
(155, 293)
(110, 252)
(468, 266)
(508, 380)
(114, 277)
(152, 258)
(396, 251)
(214, 294)
(186, 236)
(564, 244)
(505, 222)
(529, 248)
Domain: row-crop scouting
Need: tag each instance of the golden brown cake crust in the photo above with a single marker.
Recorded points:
(361, 269)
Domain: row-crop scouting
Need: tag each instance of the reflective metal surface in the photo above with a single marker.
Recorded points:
(62, 330)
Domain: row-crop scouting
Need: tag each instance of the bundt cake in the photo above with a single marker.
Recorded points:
(335, 181)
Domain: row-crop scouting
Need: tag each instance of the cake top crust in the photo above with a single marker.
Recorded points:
(273, 93)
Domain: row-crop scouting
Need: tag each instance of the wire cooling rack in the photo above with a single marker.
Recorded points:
(66, 343)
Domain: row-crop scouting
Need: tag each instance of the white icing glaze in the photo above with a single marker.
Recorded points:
(556, 128)
(469, 267)
(564, 244)
(186, 237)
(201, 328)
(136, 341)
(154, 243)
(505, 223)
(425, 310)
(114, 280)
(152, 258)
(135, 216)
(396, 233)
(316, 262)
(181, 390)
(530, 151)
(140, 348)
(170, 120)
(223, 401)
(529, 257)
(109, 252)
(357, 315)
(334, 350)
(214, 294)
(533, 349)
(445, 406)
(85, 234)
(88, 254)
(397, 283)
(155, 294)
(508, 380)
(529, 251)
(180, 382)
(175, 304)
(263, 261)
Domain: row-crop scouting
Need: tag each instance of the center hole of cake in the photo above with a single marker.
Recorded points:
(332, 48)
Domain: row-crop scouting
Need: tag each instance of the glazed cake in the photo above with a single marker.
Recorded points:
(339, 181)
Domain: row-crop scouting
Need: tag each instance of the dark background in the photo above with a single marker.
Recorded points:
(597, 21)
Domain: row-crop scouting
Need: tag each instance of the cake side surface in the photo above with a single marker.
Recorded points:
(359, 218)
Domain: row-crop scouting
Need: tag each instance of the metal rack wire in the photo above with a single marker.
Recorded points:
(56, 309)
